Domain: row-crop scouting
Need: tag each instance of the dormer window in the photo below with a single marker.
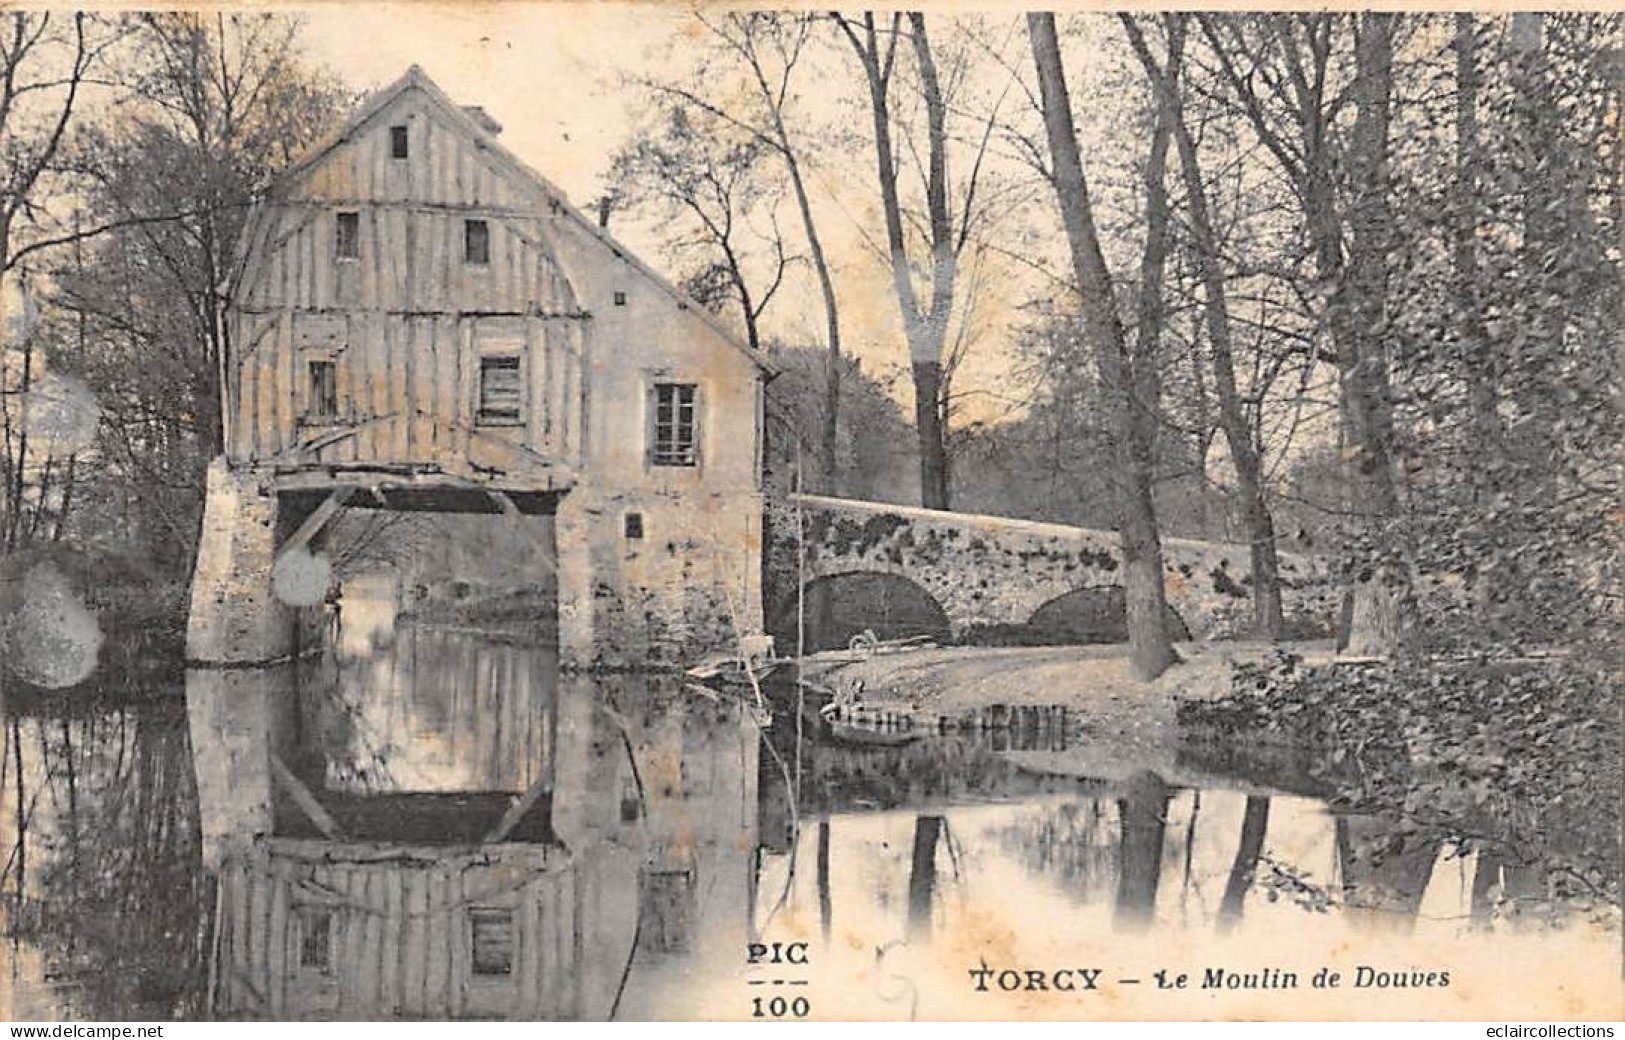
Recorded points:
(347, 237)
(476, 242)
(398, 144)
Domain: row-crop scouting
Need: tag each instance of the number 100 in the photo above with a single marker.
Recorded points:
(778, 1007)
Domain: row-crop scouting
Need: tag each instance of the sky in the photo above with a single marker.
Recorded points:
(551, 74)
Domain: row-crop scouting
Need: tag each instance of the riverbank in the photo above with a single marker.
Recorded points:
(1125, 726)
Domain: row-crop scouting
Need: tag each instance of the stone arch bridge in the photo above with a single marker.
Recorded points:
(988, 575)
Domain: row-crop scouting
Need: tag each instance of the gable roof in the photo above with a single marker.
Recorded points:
(482, 129)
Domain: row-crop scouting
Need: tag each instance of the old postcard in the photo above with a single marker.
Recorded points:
(585, 512)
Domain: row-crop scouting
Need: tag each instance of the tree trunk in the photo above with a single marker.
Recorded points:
(825, 911)
(1478, 356)
(1383, 609)
(925, 328)
(1132, 419)
(1239, 434)
(928, 420)
(829, 434)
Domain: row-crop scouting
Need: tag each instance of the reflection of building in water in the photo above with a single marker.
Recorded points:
(352, 930)
(657, 801)
(447, 830)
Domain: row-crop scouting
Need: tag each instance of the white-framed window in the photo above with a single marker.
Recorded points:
(674, 433)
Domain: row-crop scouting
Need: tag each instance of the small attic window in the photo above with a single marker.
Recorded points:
(620, 298)
(476, 242)
(347, 238)
(398, 146)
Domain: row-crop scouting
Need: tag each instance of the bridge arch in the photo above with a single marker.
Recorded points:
(995, 577)
(1093, 614)
(840, 604)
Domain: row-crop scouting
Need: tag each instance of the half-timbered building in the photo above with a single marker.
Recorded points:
(421, 324)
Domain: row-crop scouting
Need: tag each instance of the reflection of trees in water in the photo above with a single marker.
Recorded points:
(1074, 842)
(925, 772)
(104, 852)
(1101, 846)
(1254, 822)
(1143, 812)
(1385, 872)
(922, 876)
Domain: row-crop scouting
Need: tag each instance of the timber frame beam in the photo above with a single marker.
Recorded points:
(517, 811)
(320, 817)
(318, 519)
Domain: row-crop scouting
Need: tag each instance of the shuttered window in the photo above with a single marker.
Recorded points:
(674, 435)
(492, 939)
(347, 241)
(501, 391)
(324, 390)
(476, 242)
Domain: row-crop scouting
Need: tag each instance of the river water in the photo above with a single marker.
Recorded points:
(665, 852)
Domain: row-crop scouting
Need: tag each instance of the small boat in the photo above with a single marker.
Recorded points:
(852, 721)
(730, 669)
(866, 644)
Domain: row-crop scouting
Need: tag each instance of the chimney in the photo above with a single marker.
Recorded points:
(604, 204)
(483, 118)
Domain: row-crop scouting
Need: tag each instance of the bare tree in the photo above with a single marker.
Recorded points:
(1294, 116)
(713, 179)
(1128, 374)
(1239, 432)
(925, 322)
(767, 48)
(45, 62)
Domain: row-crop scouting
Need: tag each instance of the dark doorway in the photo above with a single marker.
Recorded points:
(840, 606)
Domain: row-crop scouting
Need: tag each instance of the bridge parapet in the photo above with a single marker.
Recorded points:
(993, 571)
